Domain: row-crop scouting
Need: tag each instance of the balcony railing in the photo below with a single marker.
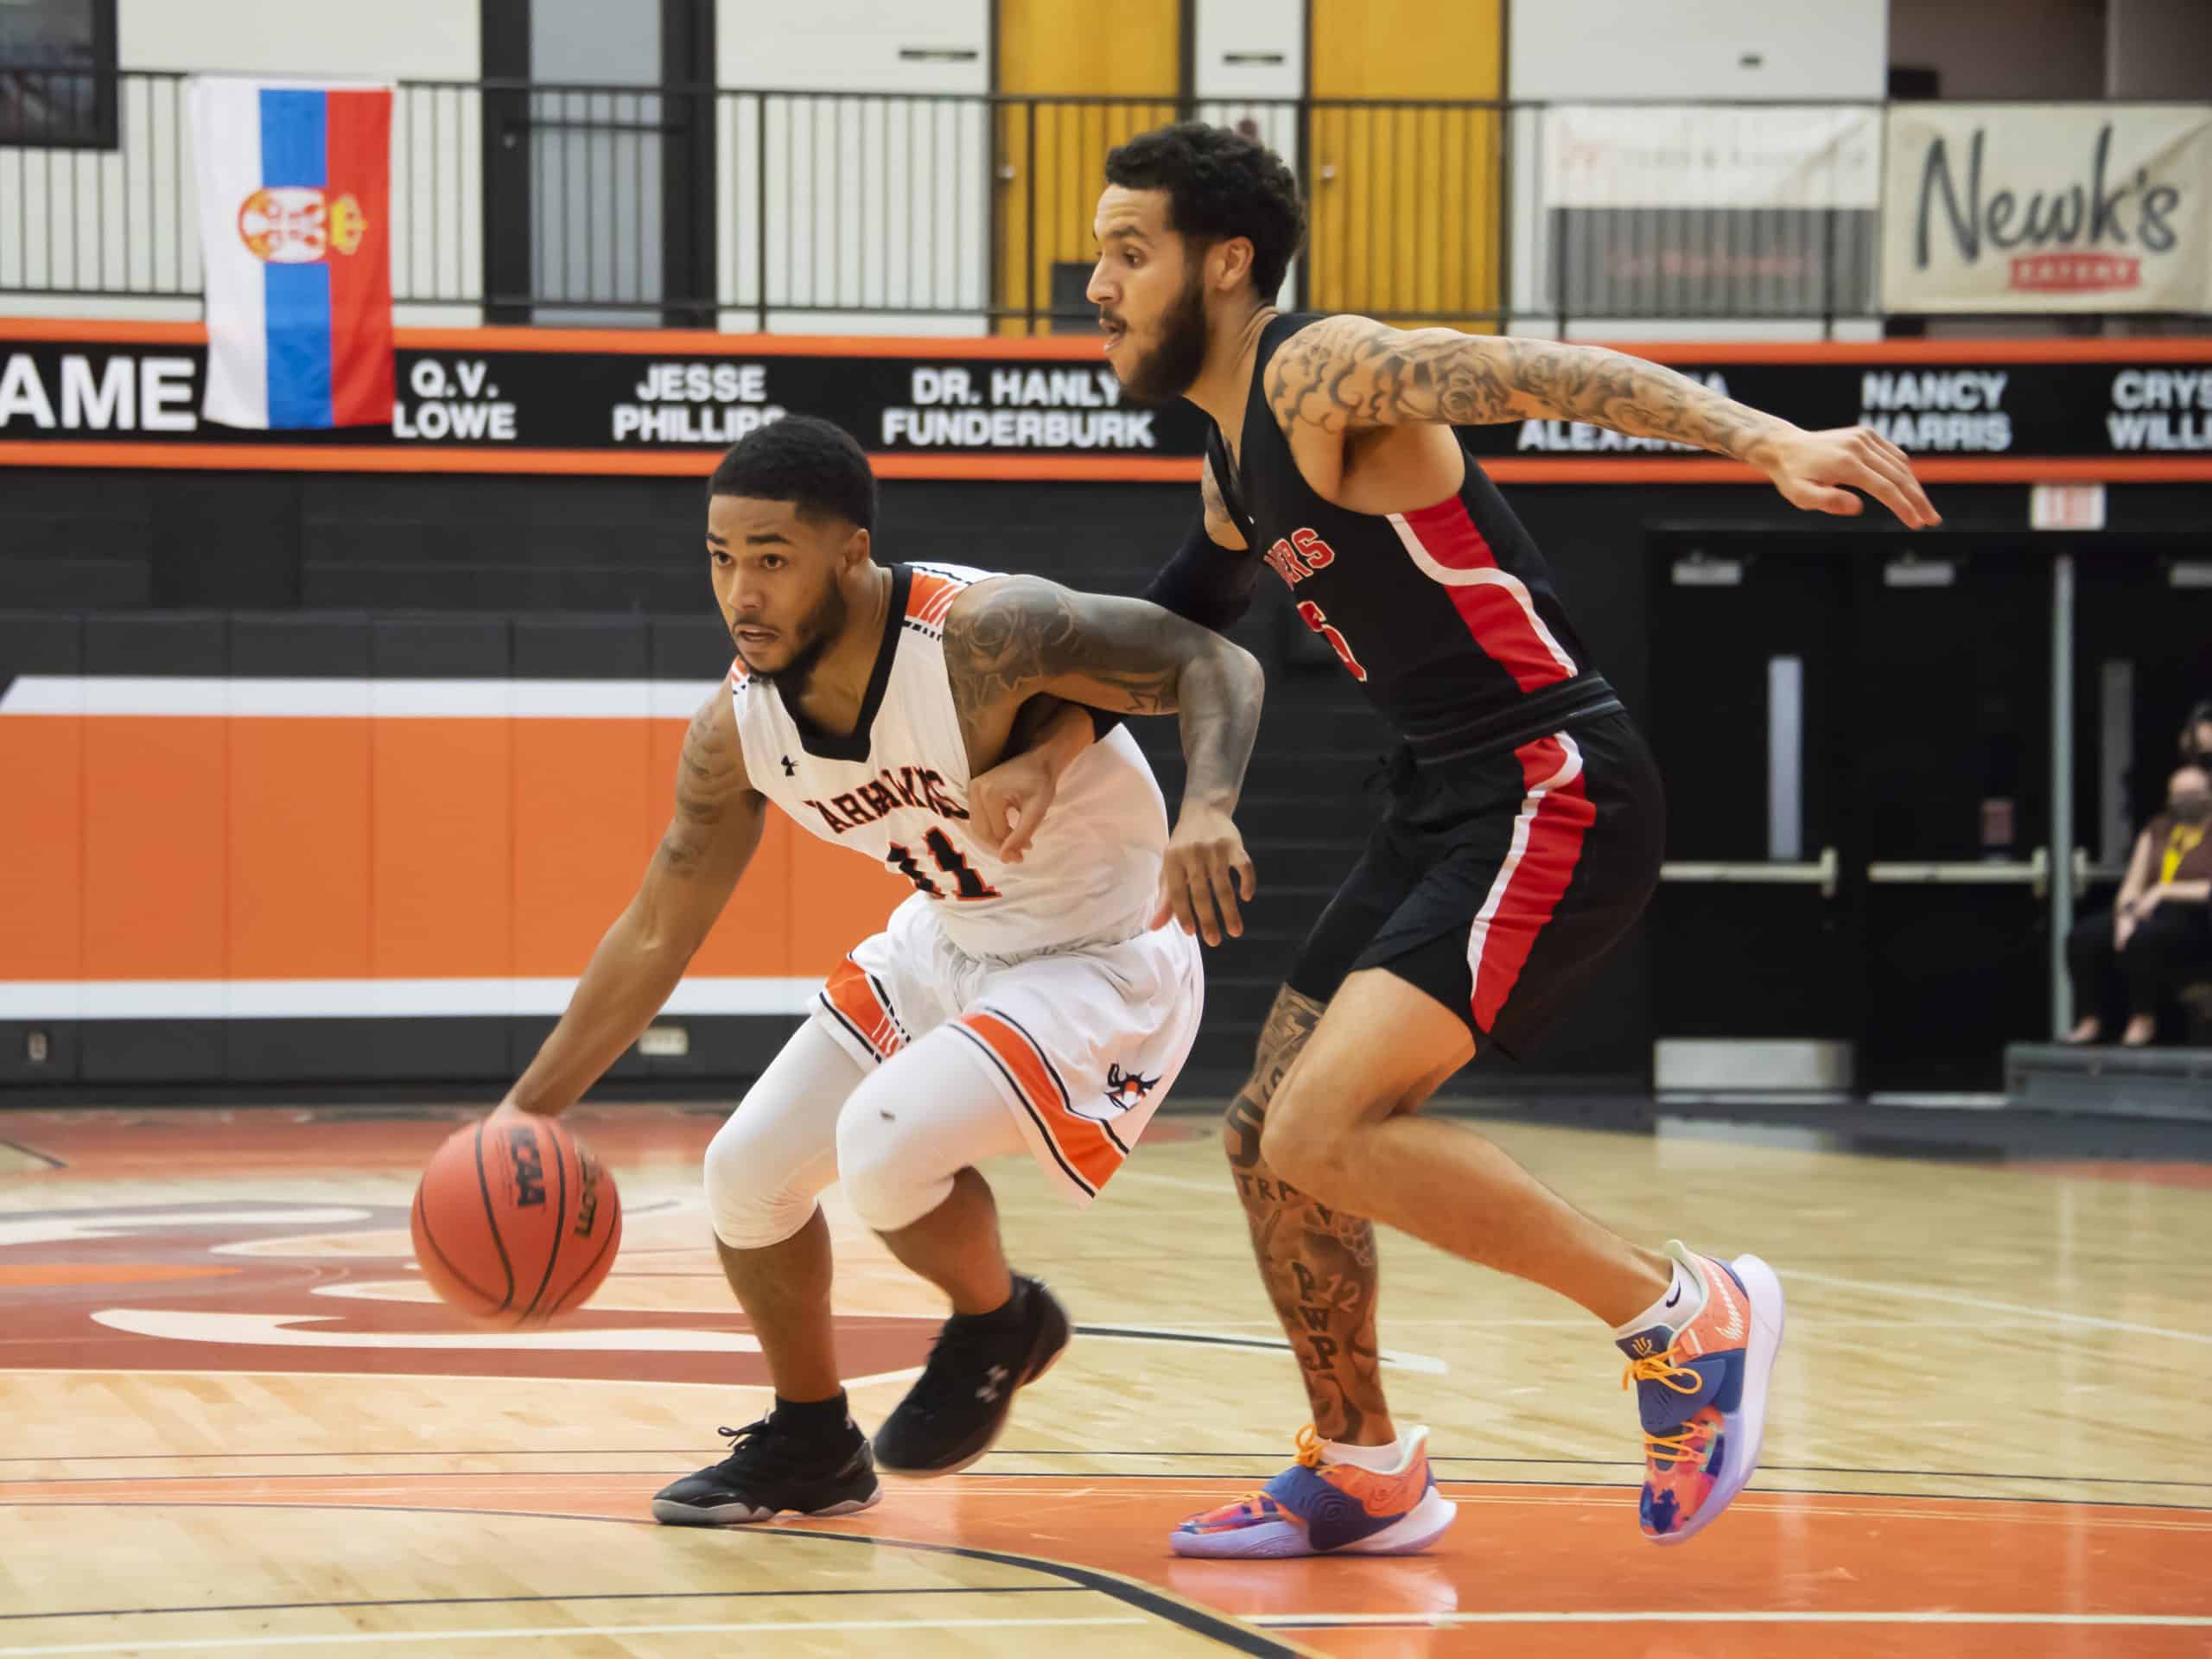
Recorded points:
(761, 208)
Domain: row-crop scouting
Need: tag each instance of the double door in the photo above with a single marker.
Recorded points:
(1855, 732)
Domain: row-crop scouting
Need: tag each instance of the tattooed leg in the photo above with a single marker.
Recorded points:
(1318, 1263)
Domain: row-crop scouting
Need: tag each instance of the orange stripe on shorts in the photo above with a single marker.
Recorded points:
(851, 993)
(1084, 1145)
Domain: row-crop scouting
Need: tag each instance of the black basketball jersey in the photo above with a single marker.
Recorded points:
(1446, 616)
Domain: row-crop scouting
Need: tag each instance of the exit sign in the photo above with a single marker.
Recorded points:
(2067, 506)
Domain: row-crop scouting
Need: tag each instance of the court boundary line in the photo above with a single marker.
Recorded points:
(1561, 1488)
(527, 1632)
(1001, 1452)
(1574, 1463)
(1427, 1364)
(501, 1601)
(46, 1158)
(1223, 1628)
(1963, 1299)
(1698, 1616)
(141, 1373)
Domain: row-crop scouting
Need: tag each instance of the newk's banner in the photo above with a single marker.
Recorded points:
(2048, 207)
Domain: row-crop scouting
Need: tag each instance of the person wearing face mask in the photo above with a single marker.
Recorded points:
(2159, 936)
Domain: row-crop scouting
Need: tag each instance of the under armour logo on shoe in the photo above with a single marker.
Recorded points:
(789, 771)
(992, 1384)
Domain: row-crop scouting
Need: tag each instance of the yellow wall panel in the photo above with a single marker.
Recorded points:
(1053, 155)
(1408, 49)
(1407, 201)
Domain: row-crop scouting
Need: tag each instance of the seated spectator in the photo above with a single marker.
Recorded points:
(2159, 937)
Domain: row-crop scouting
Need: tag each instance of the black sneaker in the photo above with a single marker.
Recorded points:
(959, 1404)
(772, 1468)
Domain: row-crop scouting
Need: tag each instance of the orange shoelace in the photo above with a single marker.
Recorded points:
(1669, 1449)
(1309, 1453)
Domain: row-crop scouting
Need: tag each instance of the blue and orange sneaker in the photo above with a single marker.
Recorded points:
(1700, 1382)
(1320, 1506)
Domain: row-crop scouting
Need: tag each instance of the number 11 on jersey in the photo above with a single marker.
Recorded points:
(947, 857)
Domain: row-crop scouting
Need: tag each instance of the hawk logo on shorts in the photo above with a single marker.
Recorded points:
(1126, 1088)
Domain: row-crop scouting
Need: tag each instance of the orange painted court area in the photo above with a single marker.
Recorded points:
(216, 1341)
(1530, 1569)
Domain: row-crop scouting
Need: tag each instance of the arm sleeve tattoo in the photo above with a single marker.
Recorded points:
(714, 795)
(1010, 637)
(1347, 373)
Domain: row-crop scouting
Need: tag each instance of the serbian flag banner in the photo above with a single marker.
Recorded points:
(295, 215)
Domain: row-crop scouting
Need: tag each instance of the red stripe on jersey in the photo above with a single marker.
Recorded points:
(1547, 845)
(1499, 611)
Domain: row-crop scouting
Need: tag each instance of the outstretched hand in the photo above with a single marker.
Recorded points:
(1812, 470)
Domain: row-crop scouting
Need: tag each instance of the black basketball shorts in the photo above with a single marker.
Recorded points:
(1498, 884)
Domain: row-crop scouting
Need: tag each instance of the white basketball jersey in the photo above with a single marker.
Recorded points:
(897, 790)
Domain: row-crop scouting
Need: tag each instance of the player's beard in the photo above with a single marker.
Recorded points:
(1170, 368)
(821, 627)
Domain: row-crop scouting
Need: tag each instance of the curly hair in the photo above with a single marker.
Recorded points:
(815, 465)
(1219, 184)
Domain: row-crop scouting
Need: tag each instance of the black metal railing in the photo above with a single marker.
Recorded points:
(772, 209)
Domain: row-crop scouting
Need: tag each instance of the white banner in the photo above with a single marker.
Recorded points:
(1711, 155)
(2048, 207)
(1688, 210)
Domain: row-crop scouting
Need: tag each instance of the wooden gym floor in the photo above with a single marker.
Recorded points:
(234, 1424)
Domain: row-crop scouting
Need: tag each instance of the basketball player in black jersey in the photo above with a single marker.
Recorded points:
(1522, 841)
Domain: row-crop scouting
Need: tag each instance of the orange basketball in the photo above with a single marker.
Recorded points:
(515, 1222)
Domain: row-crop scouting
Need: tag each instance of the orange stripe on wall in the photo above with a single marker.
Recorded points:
(1131, 470)
(42, 847)
(157, 854)
(441, 839)
(652, 463)
(580, 840)
(299, 848)
(389, 848)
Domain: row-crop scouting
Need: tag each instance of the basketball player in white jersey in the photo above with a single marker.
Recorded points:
(1036, 1007)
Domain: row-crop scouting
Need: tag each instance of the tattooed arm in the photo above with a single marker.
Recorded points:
(1345, 373)
(707, 846)
(1010, 637)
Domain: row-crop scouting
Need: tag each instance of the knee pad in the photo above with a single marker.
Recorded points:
(755, 1202)
(892, 1172)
